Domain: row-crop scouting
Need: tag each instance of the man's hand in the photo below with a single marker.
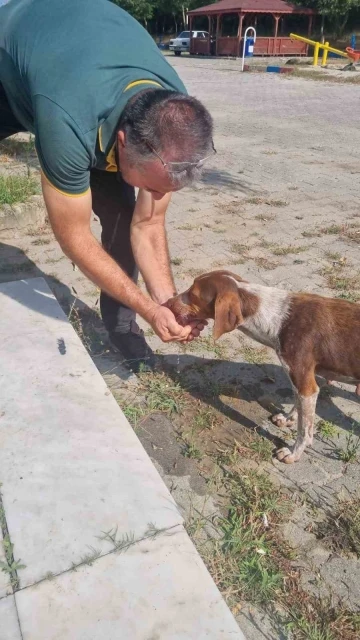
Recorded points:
(165, 326)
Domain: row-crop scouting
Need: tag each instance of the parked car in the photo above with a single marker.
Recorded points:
(182, 42)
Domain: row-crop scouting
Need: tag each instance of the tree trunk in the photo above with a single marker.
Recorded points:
(322, 29)
(341, 26)
(175, 22)
(184, 16)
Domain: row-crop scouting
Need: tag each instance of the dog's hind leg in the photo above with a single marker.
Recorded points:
(306, 392)
(286, 419)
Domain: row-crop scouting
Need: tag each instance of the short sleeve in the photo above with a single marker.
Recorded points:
(61, 148)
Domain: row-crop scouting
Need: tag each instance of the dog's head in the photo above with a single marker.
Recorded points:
(213, 295)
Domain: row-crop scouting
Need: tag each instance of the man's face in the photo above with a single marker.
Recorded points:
(152, 178)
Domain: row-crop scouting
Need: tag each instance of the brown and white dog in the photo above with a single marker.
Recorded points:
(311, 335)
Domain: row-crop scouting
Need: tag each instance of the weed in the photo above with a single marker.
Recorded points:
(327, 429)
(205, 418)
(236, 247)
(333, 255)
(40, 241)
(350, 453)
(342, 528)
(277, 203)
(351, 296)
(255, 200)
(265, 217)
(149, 332)
(255, 355)
(263, 448)
(187, 227)
(17, 188)
(219, 230)
(286, 250)
(265, 263)
(332, 229)
(206, 344)
(311, 233)
(191, 451)
(133, 413)
(10, 566)
(176, 261)
(161, 393)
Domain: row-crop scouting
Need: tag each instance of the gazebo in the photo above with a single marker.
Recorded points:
(273, 20)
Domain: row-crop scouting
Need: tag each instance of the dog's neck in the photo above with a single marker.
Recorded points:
(264, 309)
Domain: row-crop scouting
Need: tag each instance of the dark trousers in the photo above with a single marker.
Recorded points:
(113, 203)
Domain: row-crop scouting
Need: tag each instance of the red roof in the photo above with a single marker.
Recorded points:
(252, 6)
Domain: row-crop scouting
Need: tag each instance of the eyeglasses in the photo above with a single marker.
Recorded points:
(179, 167)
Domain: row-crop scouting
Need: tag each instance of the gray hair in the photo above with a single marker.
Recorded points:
(178, 127)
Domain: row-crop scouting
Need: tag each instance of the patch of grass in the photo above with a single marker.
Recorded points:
(311, 233)
(237, 247)
(204, 418)
(265, 217)
(208, 345)
(219, 230)
(10, 566)
(161, 393)
(190, 450)
(134, 413)
(255, 355)
(17, 188)
(287, 250)
(176, 261)
(277, 203)
(351, 296)
(327, 429)
(341, 282)
(332, 229)
(319, 76)
(333, 255)
(341, 531)
(13, 146)
(350, 453)
(40, 242)
(242, 560)
(265, 263)
(263, 448)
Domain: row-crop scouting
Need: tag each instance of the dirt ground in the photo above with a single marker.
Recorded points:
(279, 205)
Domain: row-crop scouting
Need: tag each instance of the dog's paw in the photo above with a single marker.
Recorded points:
(285, 455)
(282, 421)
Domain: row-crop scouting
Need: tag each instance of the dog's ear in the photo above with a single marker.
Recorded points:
(228, 314)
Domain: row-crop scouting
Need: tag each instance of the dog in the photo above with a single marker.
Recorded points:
(312, 335)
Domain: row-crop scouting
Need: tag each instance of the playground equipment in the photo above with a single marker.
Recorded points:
(317, 46)
(354, 55)
(248, 47)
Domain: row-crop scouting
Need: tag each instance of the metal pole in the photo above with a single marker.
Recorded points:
(245, 36)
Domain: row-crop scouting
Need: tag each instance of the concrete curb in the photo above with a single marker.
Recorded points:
(267, 69)
(24, 214)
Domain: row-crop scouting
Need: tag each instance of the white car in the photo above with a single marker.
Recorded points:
(182, 42)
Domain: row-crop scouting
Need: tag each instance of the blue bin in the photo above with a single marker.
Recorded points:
(249, 47)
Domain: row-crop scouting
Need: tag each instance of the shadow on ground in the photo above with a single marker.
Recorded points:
(247, 394)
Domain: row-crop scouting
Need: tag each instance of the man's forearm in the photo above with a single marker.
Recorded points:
(150, 246)
(99, 267)
(152, 257)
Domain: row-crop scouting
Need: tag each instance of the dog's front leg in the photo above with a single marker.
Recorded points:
(306, 406)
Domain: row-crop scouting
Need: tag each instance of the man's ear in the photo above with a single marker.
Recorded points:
(228, 314)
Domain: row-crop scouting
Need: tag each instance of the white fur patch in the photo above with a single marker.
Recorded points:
(265, 325)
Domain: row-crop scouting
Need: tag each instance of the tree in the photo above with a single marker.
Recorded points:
(141, 10)
(337, 11)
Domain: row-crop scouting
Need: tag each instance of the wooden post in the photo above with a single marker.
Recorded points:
(310, 26)
(191, 38)
(277, 18)
(217, 33)
(241, 18)
(209, 38)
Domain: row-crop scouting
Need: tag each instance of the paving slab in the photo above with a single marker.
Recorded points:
(71, 466)
(9, 623)
(158, 590)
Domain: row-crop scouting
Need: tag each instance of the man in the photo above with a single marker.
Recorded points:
(109, 114)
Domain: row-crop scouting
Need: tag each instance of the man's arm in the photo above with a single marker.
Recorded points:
(150, 247)
(70, 220)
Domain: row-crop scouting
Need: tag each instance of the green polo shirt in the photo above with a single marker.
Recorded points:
(68, 68)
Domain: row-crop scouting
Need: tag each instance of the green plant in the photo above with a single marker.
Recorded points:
(286, 250)
(17, 188)
(327, 429)
(161, 393)
(351, 450)
(176, 261)
(190, 450)
(133, 413)
(255, 355)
